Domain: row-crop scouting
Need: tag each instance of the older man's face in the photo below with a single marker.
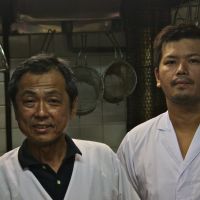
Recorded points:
(42, 107)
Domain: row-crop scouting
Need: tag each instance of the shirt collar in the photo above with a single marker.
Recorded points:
(26, 159)
(164, 122)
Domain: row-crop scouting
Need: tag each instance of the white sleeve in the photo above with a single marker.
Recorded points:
(8, 189)
(125, 154)
(126, 191)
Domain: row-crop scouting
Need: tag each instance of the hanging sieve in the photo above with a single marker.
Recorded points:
(89, 83)
(90, 88)
(120, 78)
(3, 61)
(119, 81)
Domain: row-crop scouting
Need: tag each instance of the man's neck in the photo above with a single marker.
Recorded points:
(186, 117)
(52, 154)
(185, 121)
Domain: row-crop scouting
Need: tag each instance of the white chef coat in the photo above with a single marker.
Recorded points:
(97, 175)
(154, 164)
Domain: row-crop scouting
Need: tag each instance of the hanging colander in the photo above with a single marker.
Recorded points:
(119, 81)
(90, 88)
(89, 82)
(120, 77)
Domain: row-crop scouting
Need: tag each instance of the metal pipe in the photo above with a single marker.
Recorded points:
(6, 21)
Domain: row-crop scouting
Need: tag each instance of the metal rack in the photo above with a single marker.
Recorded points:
(6, 21)
(188, 11)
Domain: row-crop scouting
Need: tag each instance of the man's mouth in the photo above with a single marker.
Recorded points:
(42, 127)
(182, 81)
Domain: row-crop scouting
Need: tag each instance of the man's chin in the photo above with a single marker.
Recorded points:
(185, 100)
(43, 142)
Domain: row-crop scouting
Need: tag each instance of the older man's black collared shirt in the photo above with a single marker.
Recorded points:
(55, 184)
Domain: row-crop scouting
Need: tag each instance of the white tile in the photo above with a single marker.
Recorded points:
(93, 133)
(114, 133)
(1, 77)
(61, 45)
(2, 91)
(1, 153)
(37, 42)
(2, 140)
(2, 117)
(14, 62)
(19, 46)
(17, 137)
(93, 118)
(114, 112)
(74, 132)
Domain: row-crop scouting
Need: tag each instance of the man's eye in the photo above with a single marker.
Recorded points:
(28, 102)
(169, 62)
(54, 101)
(194, 60)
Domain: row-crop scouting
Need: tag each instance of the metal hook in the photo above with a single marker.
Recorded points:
(115, 44)
(47, 40)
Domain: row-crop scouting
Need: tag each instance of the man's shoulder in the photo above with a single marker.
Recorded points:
(91, 145)
(9, 158)
(97, 153)
(143, 135)
(9, 154)
(146, 129)
(149, 123)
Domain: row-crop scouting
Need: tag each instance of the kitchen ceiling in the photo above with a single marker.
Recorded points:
(76, 9)
(67, 10)
(81, 12)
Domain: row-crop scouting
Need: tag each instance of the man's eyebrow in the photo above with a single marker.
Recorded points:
(193, 54)
(188, 55)
(27, 92)
(53, 92)
(170, 56)
(46, 92)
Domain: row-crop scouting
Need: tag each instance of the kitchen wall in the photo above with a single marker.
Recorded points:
(107, 123)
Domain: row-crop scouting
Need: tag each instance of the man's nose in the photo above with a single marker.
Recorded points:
(182, 67)
(42, 110)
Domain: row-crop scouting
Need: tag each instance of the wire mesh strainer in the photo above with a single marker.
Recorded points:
(90, 88)
(119, 81)
(120, 77)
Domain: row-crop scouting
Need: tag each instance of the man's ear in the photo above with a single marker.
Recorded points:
(15, 112)
(156, 73)
(74, 108)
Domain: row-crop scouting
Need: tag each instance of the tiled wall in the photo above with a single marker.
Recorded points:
(107, 123)
(2, 116)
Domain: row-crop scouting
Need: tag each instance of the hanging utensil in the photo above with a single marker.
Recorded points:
(120, 78)
(89, 82)
(3, 61)
(47, 40)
